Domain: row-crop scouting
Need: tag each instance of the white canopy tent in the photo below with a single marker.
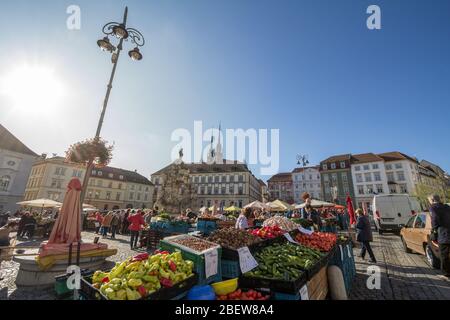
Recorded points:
(316, 204)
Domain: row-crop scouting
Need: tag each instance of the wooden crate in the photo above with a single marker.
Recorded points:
(318, 285)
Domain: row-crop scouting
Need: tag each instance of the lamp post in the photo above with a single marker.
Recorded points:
(302, 160)
(122, 33)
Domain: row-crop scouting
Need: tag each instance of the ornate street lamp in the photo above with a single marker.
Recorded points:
(121, 32)
(302, 160)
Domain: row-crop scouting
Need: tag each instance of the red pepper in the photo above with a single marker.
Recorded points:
(172, 266)
(164, 252)
(142, 291)
(167, 283)
(105, 280)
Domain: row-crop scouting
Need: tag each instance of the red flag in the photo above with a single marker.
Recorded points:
(351, 211)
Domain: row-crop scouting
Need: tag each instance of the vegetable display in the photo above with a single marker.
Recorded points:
(137, 277)
(233, 238)
(321, 241)
(282, 222)
(305, 223)
(268, 232)
(194, 243)
(244, 295)
(284, 261)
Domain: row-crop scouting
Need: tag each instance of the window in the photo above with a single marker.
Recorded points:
(324, 167)
(223, 190)
(240, 203)
(241, 178)
(342, 164)
(97, 194)
(216, 190)
(108, 195)
(4, 183)
(74, 173)
(140, 188)
(231, 189)
(369, 189)
(393, 189)
(54, 183)
(368, 177)
(241, 190)
(333, 166)
(325, 178)
(216, 179)
(99, 173)
(380, 188)
(131, 195)
(209, 190)
(403, 188)
(118, 196)
(231, 178)
(398, 166)
(334, 178)
(375, 166)
(100, 183)
(359, 177)
(146, 197)
(119, 186)
(344, 177)
(110, 175)
(388, 167)
(390, 176)
(138, 198)
(110, 185)
(400, 176)
(420, 221)
(410, 222)
(360, 189)
(366, 167)
(346, 189)
(132, 187)
(358, 168)
(310, 177)
(90, 194)
(121, 177)
(377, 176)
(203, 179)
(210, 179)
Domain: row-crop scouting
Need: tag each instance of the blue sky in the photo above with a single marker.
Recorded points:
(309, 68)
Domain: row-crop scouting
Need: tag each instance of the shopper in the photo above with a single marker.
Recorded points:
(30, 226)
(136, 221)
(125, 223)
(21, 227)
(114, 224)
(106, 223)
(364, 235)
(242, 220)
(440, 222)
(98, 221)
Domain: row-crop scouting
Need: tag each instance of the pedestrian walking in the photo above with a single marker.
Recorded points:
(106, 223)
(30, 226)
(440, 222)
(125, 222)
(114, 224)
(136, 221)
(364, 235)
(21, 227)
(242, 220)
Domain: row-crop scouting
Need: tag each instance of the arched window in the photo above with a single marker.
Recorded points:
(4, 183)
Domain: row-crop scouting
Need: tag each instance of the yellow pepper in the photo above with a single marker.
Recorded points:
(135, 283)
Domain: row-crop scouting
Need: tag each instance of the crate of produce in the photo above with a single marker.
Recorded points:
(318, 285)
(282, 267)
(247, 294)
(194, 249)
(176, 292)
(162, 276)
(231, 239)
(151, 238)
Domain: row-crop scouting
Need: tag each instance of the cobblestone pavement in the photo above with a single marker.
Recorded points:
(404, 276)
(9, 269)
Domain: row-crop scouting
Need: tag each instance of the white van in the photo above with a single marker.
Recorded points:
(391, 212)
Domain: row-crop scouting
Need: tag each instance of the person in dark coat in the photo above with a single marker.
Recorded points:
(440, 222)
(364, 235)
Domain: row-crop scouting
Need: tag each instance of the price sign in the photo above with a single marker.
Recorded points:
(305, 231)
(304, 295)
(289, 238)
(246, 260)
(211, 263)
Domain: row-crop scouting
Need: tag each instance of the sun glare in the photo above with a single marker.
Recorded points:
(32, 88)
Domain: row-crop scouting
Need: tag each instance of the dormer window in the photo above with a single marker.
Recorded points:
(121, 177)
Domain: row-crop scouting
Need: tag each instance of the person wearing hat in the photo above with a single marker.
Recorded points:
(364, 235)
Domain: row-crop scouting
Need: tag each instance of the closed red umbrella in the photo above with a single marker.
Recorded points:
(351, 211)
(67, 228)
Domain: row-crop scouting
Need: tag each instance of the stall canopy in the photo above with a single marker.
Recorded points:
(279, 205)
(40, 203)
(232, 209)
(316, 204)
(257, 205)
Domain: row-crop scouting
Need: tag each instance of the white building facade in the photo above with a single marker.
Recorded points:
(16, 161)
(369, 178)
(402, 172)
(308, 180)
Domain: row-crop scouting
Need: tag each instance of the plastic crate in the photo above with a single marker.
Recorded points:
(61, 289)
(277, 285)
(206, 226)
(230, 269)
(346, 262)
(177, 292)
(198, 259)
